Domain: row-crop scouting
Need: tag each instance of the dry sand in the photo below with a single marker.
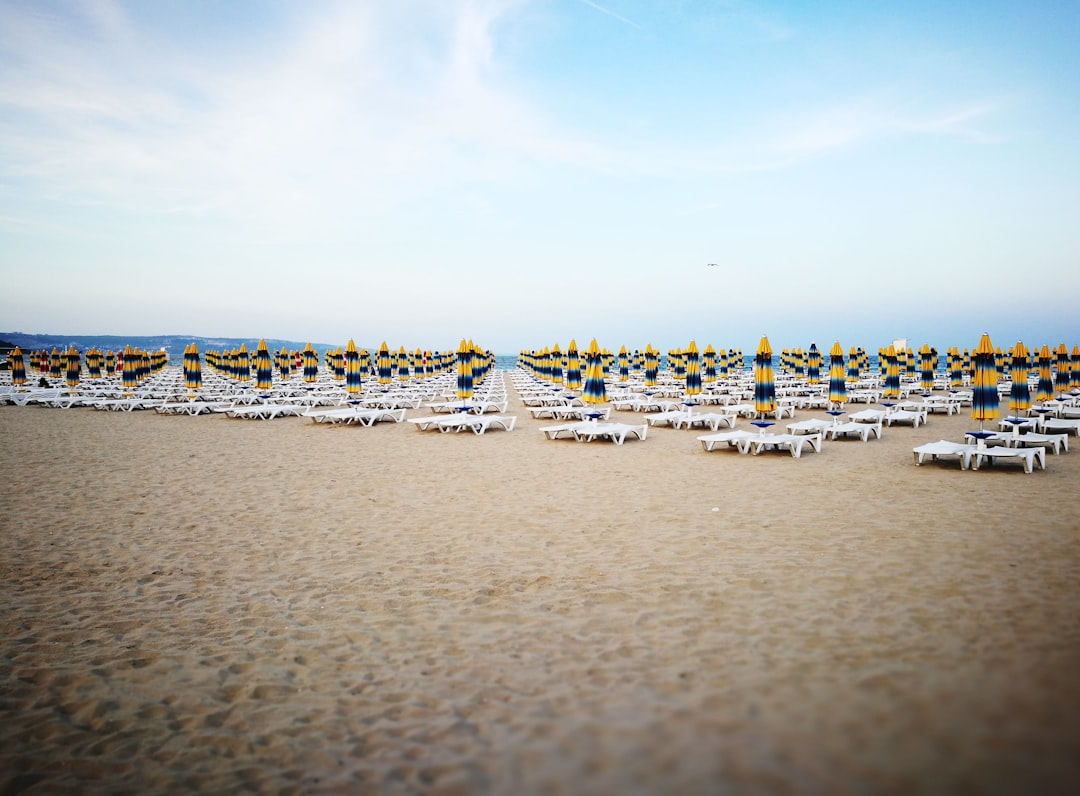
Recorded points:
(200, 603)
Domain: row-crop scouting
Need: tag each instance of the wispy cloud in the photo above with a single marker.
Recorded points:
(610, 13)
(365, 105)
(862, 121)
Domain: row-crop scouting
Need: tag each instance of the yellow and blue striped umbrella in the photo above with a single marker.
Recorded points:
(573, 367)
(891, 390)
(764, 386)
(353, 382)
(384, 365)
(624, 364)
(852, 365)
(192, 368)
(926, 367)
(1044, 390)
(652, 365)
(242, 364)
(1062, 369)
(595, 390)
(264, 367)
(693, 370)
(464, 385)
(1019, 393)
(708, 364)
(1075, 367)
(56, 367)
(813, 364)
(18, 367)
(310, 364)
(72, 367)
(837, 377)
(557, 376)
(129, 376)
(984, 395)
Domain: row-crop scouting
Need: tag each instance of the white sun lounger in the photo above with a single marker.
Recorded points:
(812, 426)
(945, 448)
(1012, 439)
(563, 412)
(732, 438)
(793, 442)
(616, 432)
(862, 430)
(478, 424)
(1062, 425)
(553, 432)
(188, 407)
(265, 411)
(1029, 456)
(913, 416)
(710, 420)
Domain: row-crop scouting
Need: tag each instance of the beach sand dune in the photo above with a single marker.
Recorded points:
(200, 603)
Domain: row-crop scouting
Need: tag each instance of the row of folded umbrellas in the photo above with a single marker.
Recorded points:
(587, 371)
(351, 365)
(1057, 373)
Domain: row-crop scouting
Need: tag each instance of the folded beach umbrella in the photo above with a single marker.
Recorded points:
(285, 361)
(956, 368)
(652, 365)
(56, 366)
(353, 381)
(402, 364)
(708, 364)
(837, 377)
(128, 376)
(926, 367)
(1044, 390)
(1019, 393)
(242, 364)
(693, 370)
(384, 365)
(852, 365)
(891, 390)
(573, 367)
(192, 368)
(813, 364)
(72, 367)
(264, 367)
(1075, 366)
(464, 385)
(1062, 369)
(557, 376)
(764, 386)
(18, 367)
(93, 363)
(595, 390)
(310, 364)
(984, 395)
(624, 364)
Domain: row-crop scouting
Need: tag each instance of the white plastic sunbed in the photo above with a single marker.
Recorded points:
(731, 438)
(478, 424)
(793, 442)
(945, 448)
(616, 432)
(1029, 456)
(553, 432)
(862, 430)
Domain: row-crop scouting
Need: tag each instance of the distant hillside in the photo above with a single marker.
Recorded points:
(173, 344)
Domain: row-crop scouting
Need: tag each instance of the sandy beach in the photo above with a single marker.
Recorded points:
(218, 605)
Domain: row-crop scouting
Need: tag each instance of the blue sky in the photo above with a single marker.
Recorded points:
(523, 172)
